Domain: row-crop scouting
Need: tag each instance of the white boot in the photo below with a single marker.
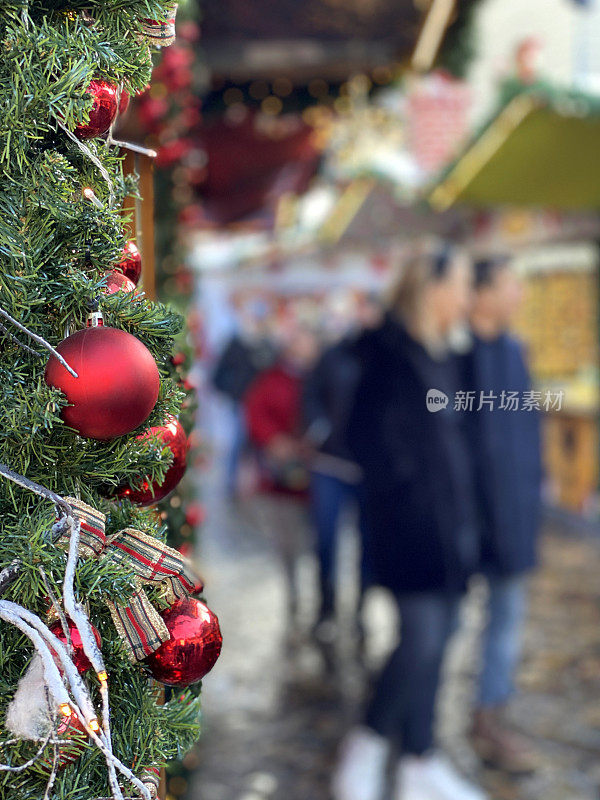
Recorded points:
(433, 777)
(360, 773)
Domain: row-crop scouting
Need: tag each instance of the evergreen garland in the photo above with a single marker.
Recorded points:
(55, 247)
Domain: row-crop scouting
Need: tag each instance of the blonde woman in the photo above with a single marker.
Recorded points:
(421, 522)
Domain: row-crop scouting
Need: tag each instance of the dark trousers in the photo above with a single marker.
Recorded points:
(403, 704)
(328, 497)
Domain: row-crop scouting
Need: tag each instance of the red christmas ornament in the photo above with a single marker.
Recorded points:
(73, 730)
(117, 282)
(131, 262)
(174, 437)
(195, 514)
(80, 659)
(194, 646)
(104, 110)
(117, 386)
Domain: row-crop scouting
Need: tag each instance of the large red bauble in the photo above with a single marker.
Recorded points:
(117, 282)
(174, 437)
(131, 262)
(194, 646)
(117, 386)
(103, 112)
(78, 655)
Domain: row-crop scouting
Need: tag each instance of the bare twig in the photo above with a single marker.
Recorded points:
(56, 606)
(38, 339)
(135, 148)
(36, 488)
(93, 158)
(10, 335)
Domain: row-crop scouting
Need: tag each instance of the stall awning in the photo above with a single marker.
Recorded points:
(541, 150)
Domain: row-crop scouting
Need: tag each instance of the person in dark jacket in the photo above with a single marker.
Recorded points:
(246, 354)
(504, 432)
(420, 510)
(336, 480)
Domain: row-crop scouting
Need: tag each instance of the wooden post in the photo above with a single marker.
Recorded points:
(141, 228)
(141, 224)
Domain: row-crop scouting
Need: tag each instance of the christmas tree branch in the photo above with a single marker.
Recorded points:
(9, 575)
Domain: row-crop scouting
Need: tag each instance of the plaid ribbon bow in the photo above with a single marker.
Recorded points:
(139, 624)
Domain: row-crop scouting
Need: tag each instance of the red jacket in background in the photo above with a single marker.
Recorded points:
(273, 407)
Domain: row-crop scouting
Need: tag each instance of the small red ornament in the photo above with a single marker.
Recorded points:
(103, 112)
(117, 282)
(118, 382)
(194, 646)
(73, 730)
(174, 437)
(195, 514)
(131, 262)
(78, 655)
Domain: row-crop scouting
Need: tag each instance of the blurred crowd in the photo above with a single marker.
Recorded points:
(406, 414)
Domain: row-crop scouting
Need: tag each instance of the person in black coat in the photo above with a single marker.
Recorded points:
(336, 479)
(411, 446)
(245, 355)
(504, 432)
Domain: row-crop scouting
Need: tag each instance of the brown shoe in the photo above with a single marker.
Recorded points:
(500, 747)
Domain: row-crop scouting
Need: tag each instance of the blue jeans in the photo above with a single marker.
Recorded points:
(236, 447)
(328, 497)
(501, 647)
(403, 703)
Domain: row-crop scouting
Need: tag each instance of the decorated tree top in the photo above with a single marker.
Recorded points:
(79, 391)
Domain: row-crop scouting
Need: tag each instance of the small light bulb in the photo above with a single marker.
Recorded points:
(90, 195)
(103, 676)
(65, 709)
(94, 725)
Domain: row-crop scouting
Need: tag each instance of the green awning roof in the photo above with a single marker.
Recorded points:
(541, 150)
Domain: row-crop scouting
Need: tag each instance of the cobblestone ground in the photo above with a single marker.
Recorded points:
(274, 712)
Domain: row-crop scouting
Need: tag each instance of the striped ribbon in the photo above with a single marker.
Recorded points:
(138, 623)
(160, 33)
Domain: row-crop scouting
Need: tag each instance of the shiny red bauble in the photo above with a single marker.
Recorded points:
(117, 282)
(103, 112)
(194, 646)
(78, 655)
(117, 384)
(173, 436)
(131, 262)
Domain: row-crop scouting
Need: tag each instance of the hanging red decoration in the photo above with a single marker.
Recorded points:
(74, 732)
(131, 262)
(78, 655)
(173, 436)
(117, 384)
(194, 646)
(104, 110)
(117, 282)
